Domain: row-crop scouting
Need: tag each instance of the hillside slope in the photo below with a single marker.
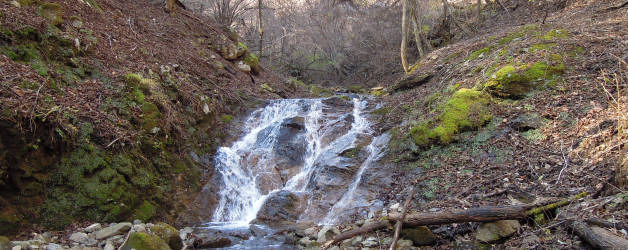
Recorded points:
(523, 111)
(111, 109)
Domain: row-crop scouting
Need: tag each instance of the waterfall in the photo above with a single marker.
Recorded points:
(283, 147)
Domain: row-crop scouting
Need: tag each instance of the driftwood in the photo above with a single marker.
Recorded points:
(399, 223)
(598, 237)
(481, 214)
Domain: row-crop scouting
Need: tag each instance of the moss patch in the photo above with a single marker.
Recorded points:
(144, 241)
(466, 110)
(145, 212)
(555, 34)
(226, 118)
(52, 12)
(515, 81)
(479, 53)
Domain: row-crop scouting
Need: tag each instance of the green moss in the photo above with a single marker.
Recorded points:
(133, 79)
(144, 241)
(358, 89)
(226, 118)
(480, 53)
(381, 111)
(534, 135)
(319, 91)
(10, 221)
(28, 2)
(351, 153)
(145, 212)
(168, 234)
(466, 110)
(431, 99)
(555, 34)
(512, 81)
(52, 12)
(242, 46)
(541, 46)
(151, 117)
(511, 37)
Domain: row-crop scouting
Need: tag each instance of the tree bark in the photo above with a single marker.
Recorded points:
(482, 214)
(260, 28)
(479, 12)
(404, 33)
(417, 27)
(599, 237)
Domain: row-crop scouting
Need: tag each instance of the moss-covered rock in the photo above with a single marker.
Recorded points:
(168, 234)
(5, 243)
(466, 110)
(253, 62)
(515, 81)
(52, 12)
(420, 236)
(144, 241)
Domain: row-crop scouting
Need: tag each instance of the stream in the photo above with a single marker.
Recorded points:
(298, 162)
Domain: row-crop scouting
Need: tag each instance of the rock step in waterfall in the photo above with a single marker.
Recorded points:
(300, 161)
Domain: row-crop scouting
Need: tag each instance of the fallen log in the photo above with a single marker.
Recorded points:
(399, 223)
(598, 237)
(481, 214)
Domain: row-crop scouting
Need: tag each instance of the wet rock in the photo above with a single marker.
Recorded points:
(496, 231)
(116, 229)
(356, 240)
(144, 241)
(411, 81)
(93, 228)
(258, 230)
(183, 233)
(420, 236)
(169, 234)
(527, 122)
(280, 209)
(216, 242)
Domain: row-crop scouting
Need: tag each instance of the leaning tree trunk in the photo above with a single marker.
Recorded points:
(404, 33)
(260, 27)
(479, 12)
(417, 27)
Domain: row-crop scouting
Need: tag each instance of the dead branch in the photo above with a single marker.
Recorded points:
(399, 223)
(606, 224)
(481, 214)
(598, 237)
(350, 234)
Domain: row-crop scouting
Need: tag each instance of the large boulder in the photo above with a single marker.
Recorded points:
(280, 209)
(144, 241)
(167, 233)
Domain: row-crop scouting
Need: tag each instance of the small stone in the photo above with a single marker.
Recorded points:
(79, 237)
(205, 109)
(116, 229)
(370, 242)
(404, 243)
(243, 67)
(496, 231)
(135, 222)
(305, 241)
(311, 232)
(324, 234)
(77, 24)
(53, 246)
(138, 228)
(420, 236)
(395, 206)
(356, 240)
(16, 248)
(109, 246)
(92, 228)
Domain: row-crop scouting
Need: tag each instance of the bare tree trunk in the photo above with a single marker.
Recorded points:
(479, 13)
(599, 237)
(170, 5)
(417, 27)
(260, 28)
(404, 33)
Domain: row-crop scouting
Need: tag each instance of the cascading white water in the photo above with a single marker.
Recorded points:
(245, 166)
